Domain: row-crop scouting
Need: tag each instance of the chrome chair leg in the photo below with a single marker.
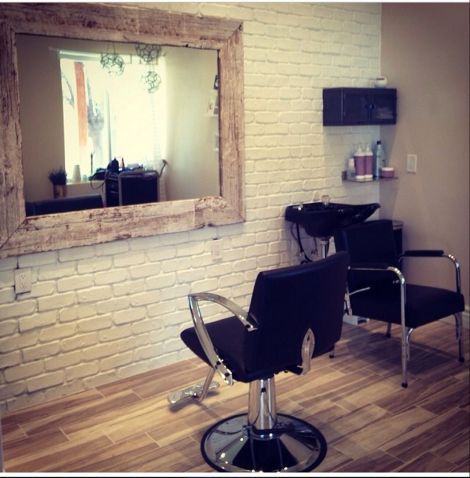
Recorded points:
(262, 439)
(459, 334)
(197, 391)
(388, 333)
(405, 354)
(208, 385)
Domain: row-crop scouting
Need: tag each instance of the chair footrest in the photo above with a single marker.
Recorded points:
(192, 392)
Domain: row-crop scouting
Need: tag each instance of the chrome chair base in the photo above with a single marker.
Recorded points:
(291, 445)
(195, 391)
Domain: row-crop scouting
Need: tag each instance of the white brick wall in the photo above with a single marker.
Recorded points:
(99, 313)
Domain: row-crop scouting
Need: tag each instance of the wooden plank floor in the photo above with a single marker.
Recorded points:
(371, 424)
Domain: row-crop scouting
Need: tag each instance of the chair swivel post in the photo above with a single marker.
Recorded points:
(262, 413)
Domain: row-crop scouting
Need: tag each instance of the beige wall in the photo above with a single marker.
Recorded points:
(41, 114)
(425, 55)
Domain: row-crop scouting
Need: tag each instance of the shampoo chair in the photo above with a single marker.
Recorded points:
(379, 290)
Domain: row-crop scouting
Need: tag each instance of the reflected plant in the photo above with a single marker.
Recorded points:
(58, 177)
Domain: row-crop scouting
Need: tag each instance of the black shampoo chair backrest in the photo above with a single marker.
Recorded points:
(287, 302)
(369, 244)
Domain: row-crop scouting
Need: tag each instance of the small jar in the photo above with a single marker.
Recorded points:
(381, 82)
(388, 172)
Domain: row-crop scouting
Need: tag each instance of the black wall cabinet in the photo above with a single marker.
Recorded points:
(356, 106)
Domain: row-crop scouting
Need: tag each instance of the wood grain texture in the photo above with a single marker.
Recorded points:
(11, 173)
(370, 422)
(24, 235)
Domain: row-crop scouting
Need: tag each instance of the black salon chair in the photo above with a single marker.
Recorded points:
(378, 289)
(295, 314)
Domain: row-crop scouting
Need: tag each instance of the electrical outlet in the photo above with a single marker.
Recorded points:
(412, 163)
(23, 281)
(217, 248)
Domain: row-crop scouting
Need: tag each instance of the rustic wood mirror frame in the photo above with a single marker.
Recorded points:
(20, 234)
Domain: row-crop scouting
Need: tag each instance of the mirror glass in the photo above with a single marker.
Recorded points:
(129, 123)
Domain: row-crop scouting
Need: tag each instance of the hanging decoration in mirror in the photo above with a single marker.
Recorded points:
(152, 80)
(150, 54)
(113, 63)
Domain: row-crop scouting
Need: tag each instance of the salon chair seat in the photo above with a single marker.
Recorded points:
(295, 314)
(378, 288)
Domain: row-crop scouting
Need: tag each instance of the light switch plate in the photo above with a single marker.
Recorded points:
(217, 248)
(23, 281)
(412, 163)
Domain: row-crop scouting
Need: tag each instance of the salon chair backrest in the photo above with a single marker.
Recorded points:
(287, 302)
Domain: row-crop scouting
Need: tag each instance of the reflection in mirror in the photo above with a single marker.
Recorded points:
(129, 123)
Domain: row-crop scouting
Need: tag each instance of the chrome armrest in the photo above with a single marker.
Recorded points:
(231, 306)
(379, 268)
(401, 281)
(201, 331)
(394, 270)
(437, 253)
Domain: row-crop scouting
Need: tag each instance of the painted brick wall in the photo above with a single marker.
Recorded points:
(99, 313)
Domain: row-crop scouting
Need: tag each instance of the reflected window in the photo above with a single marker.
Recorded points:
(112, 113)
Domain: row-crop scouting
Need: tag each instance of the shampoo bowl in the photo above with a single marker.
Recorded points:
(322, 219)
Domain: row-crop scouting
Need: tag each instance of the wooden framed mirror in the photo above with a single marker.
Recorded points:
(20, 234)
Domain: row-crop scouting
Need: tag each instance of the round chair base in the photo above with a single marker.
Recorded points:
(292, 445)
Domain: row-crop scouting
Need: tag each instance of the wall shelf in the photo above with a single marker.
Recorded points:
(364, 181)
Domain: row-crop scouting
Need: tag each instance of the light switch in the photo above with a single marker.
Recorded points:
(23, 281)
(412, 163)
(217, 248)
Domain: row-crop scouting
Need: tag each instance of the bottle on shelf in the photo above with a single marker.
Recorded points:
(369, 164)
(360, 164)
(351, 170)
(379, 159)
